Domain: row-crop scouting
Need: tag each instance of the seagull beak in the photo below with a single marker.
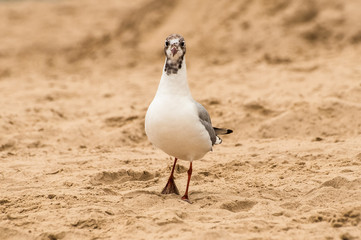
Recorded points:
(174, 51)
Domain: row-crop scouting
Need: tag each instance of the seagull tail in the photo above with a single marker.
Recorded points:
(218, 140)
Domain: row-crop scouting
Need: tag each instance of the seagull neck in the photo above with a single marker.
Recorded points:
(174, 83)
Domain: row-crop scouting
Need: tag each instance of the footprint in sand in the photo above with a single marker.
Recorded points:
(339, 182)
(121, 176)
(238, 206)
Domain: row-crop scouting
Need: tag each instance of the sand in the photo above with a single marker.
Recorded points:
(76, 78)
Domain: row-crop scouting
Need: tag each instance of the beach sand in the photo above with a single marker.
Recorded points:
(76, 79)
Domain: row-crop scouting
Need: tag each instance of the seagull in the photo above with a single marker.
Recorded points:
(175, 122)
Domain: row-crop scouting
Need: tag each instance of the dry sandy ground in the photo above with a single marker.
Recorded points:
(76, 78)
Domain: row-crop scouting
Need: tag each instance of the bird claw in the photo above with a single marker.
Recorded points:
(170, 187)
(186, 199)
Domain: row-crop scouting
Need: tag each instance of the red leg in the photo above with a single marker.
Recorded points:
(171, 187)
(185, 197)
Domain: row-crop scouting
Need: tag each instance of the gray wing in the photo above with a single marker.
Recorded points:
(206, 121)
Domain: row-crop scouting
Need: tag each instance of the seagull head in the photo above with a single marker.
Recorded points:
(174, 47)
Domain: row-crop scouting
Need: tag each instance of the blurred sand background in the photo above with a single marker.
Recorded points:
(76, 78)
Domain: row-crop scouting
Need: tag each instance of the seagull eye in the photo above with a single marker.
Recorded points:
(182, 44)
(166, 43)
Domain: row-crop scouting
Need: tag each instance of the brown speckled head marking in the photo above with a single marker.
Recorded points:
(174, 49)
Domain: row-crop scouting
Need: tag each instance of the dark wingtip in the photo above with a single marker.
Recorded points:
(222, 131)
